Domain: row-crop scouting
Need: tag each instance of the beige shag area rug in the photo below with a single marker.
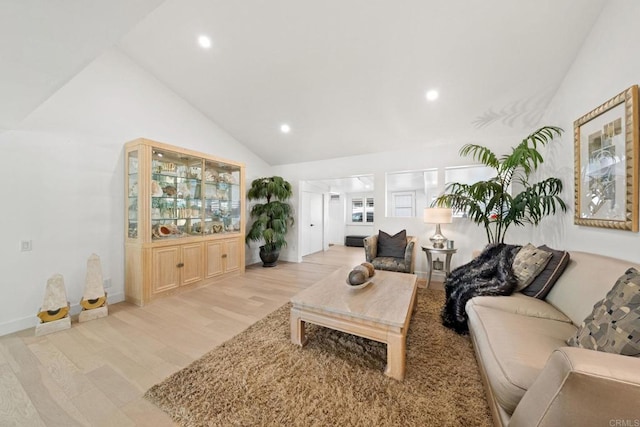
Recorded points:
(259, 378)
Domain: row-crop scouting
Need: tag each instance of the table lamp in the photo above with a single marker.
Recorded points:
(438, 216)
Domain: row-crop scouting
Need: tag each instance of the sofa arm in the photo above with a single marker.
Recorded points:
(582, 387)
(370, 247)
(410, 253)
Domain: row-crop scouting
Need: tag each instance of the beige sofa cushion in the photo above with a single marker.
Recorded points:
(586, 280)
(521, 304)
(513, 348)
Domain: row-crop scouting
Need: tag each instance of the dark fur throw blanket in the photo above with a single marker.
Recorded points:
(490, 273)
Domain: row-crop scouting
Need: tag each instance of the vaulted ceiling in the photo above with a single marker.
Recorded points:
(44, 44)
(347, 76)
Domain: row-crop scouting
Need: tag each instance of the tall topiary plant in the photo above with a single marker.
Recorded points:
(489, 203)
(272, 219)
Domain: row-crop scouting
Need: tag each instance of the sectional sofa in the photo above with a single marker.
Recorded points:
(531, 375)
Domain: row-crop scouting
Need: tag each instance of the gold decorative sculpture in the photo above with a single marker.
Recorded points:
(53, 315)
(94, 299)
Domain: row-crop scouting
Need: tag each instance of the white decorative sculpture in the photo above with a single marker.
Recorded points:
(54, 313)
(94, 299)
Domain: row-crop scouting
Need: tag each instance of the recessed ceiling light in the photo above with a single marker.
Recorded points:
(285, 128)
(204, 42)
(432, 95)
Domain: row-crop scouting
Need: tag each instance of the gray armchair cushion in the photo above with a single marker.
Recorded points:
(404, 264)
(392, 246)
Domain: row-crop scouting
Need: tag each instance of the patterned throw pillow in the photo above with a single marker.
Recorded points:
(393, 246)
(614, 324)
(542, 284)
(529, 262)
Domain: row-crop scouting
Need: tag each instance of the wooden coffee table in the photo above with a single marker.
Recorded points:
(380, 311)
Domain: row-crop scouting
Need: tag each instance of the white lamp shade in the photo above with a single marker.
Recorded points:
(438, 215)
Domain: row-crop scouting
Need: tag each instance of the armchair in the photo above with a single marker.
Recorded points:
(402, 265)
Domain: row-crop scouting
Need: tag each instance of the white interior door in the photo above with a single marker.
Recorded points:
(312, 227)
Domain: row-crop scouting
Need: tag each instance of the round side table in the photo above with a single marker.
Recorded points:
(448, 253)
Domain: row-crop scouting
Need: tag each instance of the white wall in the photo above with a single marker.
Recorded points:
(62, 175)
(607, 64)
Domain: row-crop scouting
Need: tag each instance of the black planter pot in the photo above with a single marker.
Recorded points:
(269, 258)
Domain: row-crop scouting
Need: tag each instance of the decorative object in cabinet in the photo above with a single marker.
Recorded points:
(179, 203)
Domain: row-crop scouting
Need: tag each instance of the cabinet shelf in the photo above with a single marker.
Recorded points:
(177, 218)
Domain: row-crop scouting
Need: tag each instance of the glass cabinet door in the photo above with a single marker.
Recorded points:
(132, 194)
(176, 200)
(221, 198)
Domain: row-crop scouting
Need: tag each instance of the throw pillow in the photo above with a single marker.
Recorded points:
(614, 324)
(392, 246)
(529, 262)
(543, 283)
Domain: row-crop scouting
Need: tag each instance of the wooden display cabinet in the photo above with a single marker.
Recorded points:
(185, 221)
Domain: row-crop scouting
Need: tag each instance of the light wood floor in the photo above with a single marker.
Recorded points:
(95, 373)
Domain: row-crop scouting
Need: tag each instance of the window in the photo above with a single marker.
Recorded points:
(467, 175)
(403, 204)
(362, 209)
(408, 192)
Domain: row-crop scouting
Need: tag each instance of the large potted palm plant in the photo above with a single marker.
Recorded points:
(490, 203)
(272, 218)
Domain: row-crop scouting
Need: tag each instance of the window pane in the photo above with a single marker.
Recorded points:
(356, 210)
(403, 212)
(369, 209)
(403, 200)
(403, 204)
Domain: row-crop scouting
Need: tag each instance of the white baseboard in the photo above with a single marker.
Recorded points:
(16, 325)
(252, 260)
(285, 258)
(115, 297)
(257, 260)
(23, 323)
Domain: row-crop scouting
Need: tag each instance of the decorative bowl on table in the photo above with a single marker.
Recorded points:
(358, 277)
(363, 285)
